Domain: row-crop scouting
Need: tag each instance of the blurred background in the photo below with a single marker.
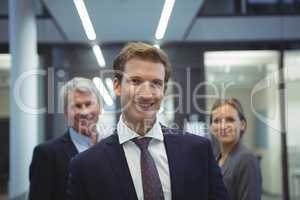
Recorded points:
(247, 49)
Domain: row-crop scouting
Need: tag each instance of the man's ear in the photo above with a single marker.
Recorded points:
(117, 86)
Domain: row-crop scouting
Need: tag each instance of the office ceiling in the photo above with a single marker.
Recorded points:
(124, 20)
(132, 20)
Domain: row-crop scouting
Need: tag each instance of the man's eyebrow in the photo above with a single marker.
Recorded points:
(141, 78)
(134, 76)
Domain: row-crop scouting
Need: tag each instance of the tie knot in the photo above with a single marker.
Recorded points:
(142, 143)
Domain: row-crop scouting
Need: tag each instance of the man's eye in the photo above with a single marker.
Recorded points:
(216, 121)
(157, 83)
(135, 81)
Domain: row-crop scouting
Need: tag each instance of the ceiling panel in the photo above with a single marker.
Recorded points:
(124, 20)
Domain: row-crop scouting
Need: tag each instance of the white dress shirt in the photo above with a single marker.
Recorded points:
(133, 156)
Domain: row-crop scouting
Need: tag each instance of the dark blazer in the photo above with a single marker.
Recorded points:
(241, 174)
(49, 169)
(102, 171)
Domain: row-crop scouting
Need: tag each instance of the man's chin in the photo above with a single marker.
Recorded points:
(139, 117)
(148, 116)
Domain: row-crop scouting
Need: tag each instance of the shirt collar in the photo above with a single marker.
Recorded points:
(126, 134)
(80, 138)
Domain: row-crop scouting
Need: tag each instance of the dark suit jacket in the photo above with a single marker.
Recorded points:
(49, 169)
(102, 171)
(242, 176)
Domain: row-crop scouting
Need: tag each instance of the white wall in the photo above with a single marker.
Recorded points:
(293, 136)
(271, 162)
(293, 110)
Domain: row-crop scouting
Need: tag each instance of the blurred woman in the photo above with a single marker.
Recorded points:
(239, 166)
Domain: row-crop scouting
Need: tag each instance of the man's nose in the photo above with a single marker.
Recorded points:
(145, 90)
(84, 111)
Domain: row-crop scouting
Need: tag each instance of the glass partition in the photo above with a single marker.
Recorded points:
(252, 77)
(292, 77)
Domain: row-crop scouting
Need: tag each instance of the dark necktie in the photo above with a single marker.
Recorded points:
(151, 183)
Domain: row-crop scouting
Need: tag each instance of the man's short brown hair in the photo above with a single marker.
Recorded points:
(142, 51)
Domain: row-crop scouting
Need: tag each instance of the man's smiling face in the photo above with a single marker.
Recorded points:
(141, 90)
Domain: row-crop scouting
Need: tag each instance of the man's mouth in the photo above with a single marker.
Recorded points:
(83, 122)
(145, 106)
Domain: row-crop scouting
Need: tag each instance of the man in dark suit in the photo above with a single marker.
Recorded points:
(143, 159)
(49, 167)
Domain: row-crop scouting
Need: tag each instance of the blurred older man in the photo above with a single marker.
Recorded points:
(49, 167)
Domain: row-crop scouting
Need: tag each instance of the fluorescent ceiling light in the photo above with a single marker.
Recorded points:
(85, 19)
(157, 46)
(99, 56)
(103, 91)
(240, 58)
(110, 86)
(164, 19)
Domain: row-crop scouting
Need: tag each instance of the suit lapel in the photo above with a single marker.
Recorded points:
(69, 147)
(119, 164)
(230, 159)
(176, 166)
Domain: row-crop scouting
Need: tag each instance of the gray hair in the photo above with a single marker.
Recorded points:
(78, 84)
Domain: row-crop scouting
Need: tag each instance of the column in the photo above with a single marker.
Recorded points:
(24, 117)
